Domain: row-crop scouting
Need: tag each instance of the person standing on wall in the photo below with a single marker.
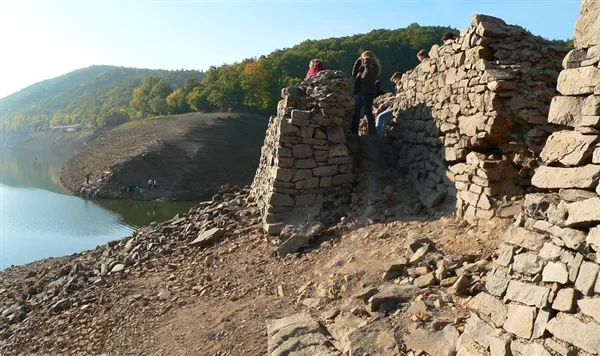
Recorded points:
(371, 68)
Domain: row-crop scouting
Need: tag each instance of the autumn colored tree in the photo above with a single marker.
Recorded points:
(256, 81)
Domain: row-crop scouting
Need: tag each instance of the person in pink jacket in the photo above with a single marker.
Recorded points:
(314, 67)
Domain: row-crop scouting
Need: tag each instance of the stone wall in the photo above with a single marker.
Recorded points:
(471, 121)
(305, 162)
(543, 296)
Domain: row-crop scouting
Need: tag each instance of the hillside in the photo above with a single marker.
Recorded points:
(84, 95)
(190, 156)
(79, 96)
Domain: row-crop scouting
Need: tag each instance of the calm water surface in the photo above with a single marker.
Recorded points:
(38, 219)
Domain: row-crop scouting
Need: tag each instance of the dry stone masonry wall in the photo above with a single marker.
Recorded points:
(544, 293)
(305, 163)
(471, 121)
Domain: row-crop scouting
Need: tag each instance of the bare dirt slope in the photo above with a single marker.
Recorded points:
(160, 294)
(189, 155)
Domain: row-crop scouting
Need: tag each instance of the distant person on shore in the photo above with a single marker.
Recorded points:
(154, 185)
(314, 67)
(87, 178)
(149, 184)
(385, 116)
(371, 68)
(422, 56)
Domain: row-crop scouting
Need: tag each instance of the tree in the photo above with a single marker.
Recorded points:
(197, 100)
(176, 102)
(255, 84)
(149, 99)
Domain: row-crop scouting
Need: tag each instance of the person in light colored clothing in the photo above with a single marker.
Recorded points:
(385, 116)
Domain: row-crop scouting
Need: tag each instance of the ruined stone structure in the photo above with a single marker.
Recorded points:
(543, 297)
(471, 121)
(305, 162)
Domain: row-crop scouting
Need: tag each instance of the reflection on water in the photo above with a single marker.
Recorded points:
(39, 219)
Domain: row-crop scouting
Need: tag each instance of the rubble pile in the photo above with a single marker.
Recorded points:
(423, 301)
(76, 289)
(471, 121)
(305, 162)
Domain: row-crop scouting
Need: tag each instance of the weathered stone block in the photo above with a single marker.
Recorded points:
(586, 336)
(302, 174)
(305, 200)
(586, 279)
(591, 106)
(590, 307)
(518, 348)
(550, 251)
(527, 263)
(340, 179)
(522, 237)
(520, 320)
(284, 174)
(306, 163)
(325, 171)
(493, 308)
(336, 135)
(587, 26)
(585, 177)
(497, 282)
(277, 199)
(564, 300)
(584, 213)
(578, 81)
(555, 272)
(479, 331)
(302, 151)
(569, 148)
(527, 294)
(338, 151)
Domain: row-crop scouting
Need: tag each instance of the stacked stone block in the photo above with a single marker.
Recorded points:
(546, 284)
(471, 121)
(305, 162)
(543, 296)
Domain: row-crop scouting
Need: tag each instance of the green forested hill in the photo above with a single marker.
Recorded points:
(84, 96)
(105, 95)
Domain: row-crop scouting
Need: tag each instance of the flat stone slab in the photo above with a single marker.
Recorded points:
(570, 148)
(578, 81)
(392, 293)
(479, 331)
(442, 343)
(564, 300)
(519, 348)
(486, 305)
(590, 307)
(208, 237)
(585, 177)
(527, 263)
(497, 282)
(297, 334)
(586, 336)
(524, 238)
(584, 213)
(376, 338)
(555, 272)
(527, 294)
(299, 239)
(586, 279)
(520, 320)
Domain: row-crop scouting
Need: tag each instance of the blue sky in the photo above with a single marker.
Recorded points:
(47, 38)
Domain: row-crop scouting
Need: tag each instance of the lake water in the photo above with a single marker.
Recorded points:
(38, 219)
